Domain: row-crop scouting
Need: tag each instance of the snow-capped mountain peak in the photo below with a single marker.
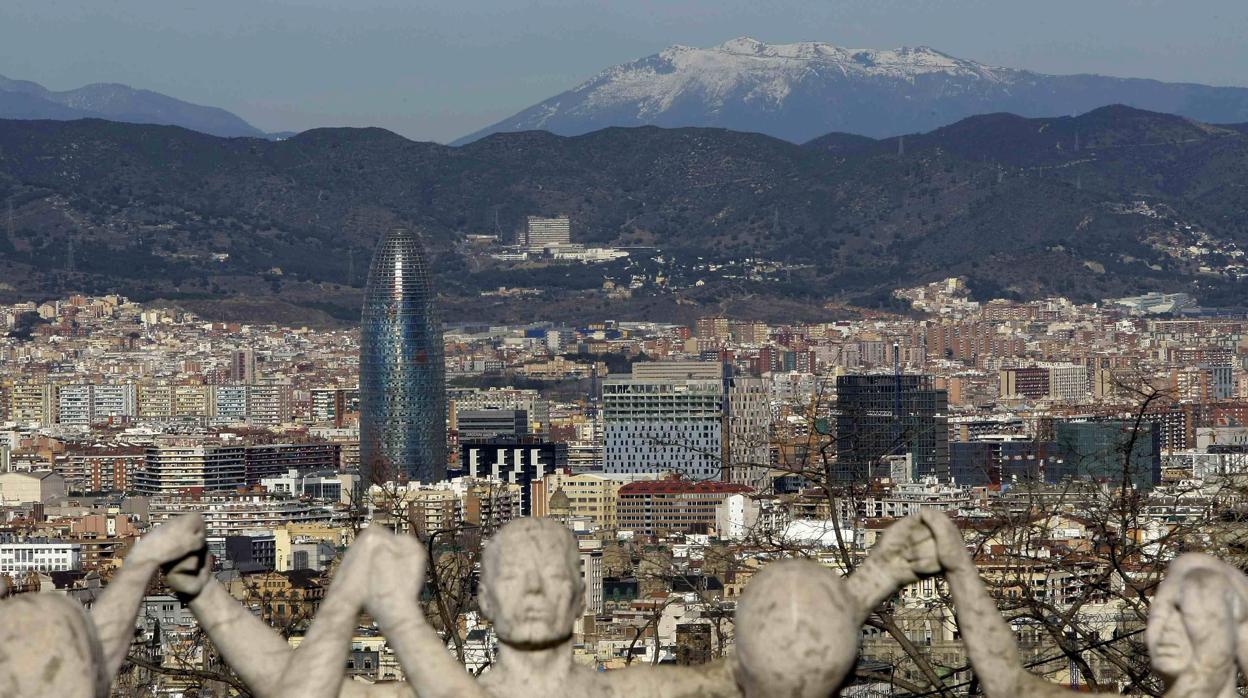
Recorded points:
(915, 60)
(803, 90)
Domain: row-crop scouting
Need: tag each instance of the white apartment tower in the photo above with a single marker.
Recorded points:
(541, 233)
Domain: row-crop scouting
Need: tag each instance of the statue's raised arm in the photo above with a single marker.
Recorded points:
(396, 578)
(990, 642)
(50, 647)
(265, 662)
(798, 623)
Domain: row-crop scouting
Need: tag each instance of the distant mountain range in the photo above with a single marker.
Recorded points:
(800, 91)
(1114, 202)
(22, 99)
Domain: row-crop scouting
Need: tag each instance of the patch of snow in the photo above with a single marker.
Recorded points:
(747, 68)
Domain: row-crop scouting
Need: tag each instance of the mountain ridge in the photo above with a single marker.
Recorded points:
(24, 99)
(804, 90)
(1105, 204)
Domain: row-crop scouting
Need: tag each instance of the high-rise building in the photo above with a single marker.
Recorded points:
(402, 374)
(86, 404)
(155, 401)
(271, 460)
(333, 404)
(690, 417)
(177, 465)
(229, 404)
(665, 416)
(270, 404)
(1027, 381)
(243, 366)
(527, 399)
(890, 415)
(1108, 451)
(747, 413)
(479, 425)
(540, 233)
(31, 403)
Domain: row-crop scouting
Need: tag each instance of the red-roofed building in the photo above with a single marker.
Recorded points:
(672, 506)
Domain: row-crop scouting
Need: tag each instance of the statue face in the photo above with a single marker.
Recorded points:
(1191, 629)
(531, 594)
(1169, 648)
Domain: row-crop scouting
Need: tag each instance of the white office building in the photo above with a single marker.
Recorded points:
(50, 556)
(665, 416)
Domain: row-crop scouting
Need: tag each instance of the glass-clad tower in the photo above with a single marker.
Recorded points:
(402, 370)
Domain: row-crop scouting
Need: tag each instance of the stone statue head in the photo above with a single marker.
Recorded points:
(49, 649)
(1196, 631)
(531, 584)
(797, 631)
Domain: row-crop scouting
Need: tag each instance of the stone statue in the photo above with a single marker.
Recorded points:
(990, 641)
(266, 663)
(532, 591)
(1193, 632)
(50, 647)
(798, 624)
(1196, 629)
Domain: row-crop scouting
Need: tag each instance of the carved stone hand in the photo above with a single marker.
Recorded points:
(950, 547)
(171, 542)
(907, 551)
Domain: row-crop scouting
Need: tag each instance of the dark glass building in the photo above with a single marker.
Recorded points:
(882, 415)
(1005, 463)
(402, 370)
(1108, 451)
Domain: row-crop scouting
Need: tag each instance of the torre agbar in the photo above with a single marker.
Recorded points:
(402, 375)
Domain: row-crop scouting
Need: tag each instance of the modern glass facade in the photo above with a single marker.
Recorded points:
(1109, 451)
(402, 370)
(885, 415)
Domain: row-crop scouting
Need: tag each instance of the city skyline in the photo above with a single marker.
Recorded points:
(837, 348)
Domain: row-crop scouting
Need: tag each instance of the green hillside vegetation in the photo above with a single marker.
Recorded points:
(1021, 207)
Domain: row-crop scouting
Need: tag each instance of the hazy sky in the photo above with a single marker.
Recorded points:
(439, 70)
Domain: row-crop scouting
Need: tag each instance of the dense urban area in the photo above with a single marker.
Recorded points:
(1078, 447)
